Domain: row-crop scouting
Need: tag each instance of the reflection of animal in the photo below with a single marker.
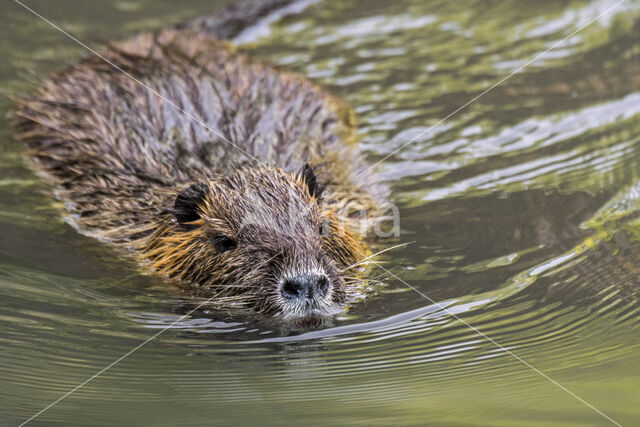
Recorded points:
(263, 224)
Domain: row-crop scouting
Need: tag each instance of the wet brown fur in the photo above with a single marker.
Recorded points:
(119, 156)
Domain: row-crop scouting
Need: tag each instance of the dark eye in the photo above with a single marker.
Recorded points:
(224, 243)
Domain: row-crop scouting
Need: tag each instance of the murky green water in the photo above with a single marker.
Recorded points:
(524, 208)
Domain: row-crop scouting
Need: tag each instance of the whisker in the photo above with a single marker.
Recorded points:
(362, 261)
(358, 280)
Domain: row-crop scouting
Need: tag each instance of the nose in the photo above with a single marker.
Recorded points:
(305, 286)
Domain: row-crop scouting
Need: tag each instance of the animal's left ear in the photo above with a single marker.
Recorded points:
(309, 178)
(186, 208)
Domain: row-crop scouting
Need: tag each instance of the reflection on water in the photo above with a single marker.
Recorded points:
(523, 209)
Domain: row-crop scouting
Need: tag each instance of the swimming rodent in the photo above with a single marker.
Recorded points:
(238, 179)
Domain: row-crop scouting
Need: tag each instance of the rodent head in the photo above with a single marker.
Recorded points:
(261, 238)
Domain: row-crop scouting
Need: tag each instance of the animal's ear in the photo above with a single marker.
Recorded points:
(309, 178)
(187, 205)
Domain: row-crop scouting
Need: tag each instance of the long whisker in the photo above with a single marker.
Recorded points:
(362, 261)
(354, 279)
(359, 283)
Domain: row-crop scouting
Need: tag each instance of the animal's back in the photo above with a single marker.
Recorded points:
(169, 108)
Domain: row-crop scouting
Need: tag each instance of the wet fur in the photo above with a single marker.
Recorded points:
(120, 158)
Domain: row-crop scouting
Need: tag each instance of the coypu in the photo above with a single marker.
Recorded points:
(235, 178)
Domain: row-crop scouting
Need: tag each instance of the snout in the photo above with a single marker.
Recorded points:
(305, 287)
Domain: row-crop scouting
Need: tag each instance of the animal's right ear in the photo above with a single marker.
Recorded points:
(187, 205)
(309, 178)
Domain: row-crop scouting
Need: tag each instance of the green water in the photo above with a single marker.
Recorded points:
(524, 210)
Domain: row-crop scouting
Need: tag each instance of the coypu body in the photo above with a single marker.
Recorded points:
(233, 177)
